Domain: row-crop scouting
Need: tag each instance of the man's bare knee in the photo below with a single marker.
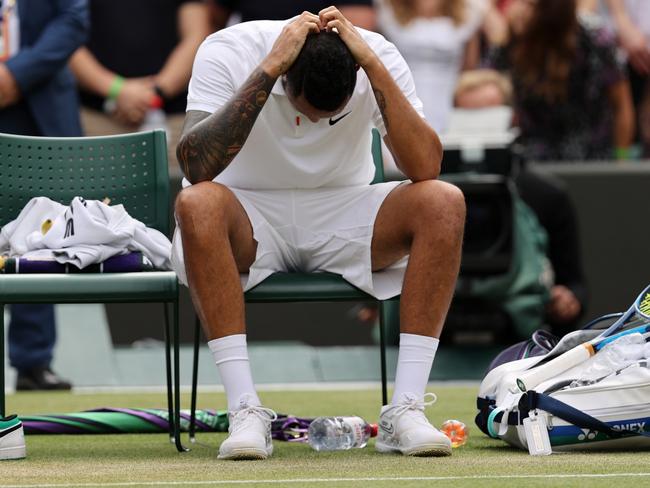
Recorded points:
(442, 205)
(207, 212)
(453, 201)
(204, 200)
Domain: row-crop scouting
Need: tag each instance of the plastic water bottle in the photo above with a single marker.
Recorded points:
(339, 433)
(155, 117)
(612, 358)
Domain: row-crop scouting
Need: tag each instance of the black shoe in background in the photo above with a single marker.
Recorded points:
(40, 379)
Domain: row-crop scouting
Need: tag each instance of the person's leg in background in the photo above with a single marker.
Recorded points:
(32, 335)
(644, 120)
(32, 328)
(174, 130)
(96, 123)
(640, 86)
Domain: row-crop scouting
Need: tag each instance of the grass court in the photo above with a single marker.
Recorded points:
(141, 460)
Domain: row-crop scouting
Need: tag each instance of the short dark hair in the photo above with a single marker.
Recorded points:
(325, 72)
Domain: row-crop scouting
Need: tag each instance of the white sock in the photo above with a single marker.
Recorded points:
(416, 353)
(231, 357)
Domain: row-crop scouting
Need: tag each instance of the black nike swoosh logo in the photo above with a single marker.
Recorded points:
(334, 121)
(10, 430)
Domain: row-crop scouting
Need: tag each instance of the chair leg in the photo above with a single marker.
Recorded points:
(177, 382)
(2, 360)
(382, 345)
(168, 370)
(195, 374)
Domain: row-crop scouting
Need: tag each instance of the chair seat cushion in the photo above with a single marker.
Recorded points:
(88, 288)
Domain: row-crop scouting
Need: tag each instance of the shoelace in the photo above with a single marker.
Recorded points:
(240, 417)
(414, 404)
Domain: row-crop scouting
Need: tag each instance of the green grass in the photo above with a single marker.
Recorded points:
(149, 459)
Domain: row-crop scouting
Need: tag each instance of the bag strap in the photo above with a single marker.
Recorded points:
(544, 340)
(532, 400)
(489, 413)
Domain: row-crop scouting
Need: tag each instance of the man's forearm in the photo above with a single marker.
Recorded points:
(193, 27)
(414, 144)
(618, 12)
(208, 147)
(90, 74)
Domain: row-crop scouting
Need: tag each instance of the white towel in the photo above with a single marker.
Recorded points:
(84, 233)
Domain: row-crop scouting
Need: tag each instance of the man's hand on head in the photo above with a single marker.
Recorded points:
(288, 45)
(332, 19)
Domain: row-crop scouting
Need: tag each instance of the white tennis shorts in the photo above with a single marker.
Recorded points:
(324, 229)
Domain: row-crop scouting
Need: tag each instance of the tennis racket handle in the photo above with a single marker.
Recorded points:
(530, 379)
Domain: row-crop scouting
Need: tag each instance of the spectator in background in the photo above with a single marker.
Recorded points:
(438, 39)
(139, 54)
(550, 201)
(548, 198)
(482, 88)
(495, 26)
(632, 22)
(38, 98)
(572, 99)
(359, 12)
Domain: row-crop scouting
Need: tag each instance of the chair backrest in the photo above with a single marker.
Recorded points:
(130, 169)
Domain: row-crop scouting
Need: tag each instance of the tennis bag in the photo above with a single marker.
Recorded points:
(566, 412)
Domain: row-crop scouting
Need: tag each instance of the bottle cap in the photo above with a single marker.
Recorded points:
(456, 430)
(374, 428)
(156, 102)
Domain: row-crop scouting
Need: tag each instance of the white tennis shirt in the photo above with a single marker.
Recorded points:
(285, 150)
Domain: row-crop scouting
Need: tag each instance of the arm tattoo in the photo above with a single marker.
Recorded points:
(208, 146)
(381, 103)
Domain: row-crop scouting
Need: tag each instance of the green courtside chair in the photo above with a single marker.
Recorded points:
(130, 170)
(313, 287)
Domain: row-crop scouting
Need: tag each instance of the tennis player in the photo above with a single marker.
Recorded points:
(276, 156)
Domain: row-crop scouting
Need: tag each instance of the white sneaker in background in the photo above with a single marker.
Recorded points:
(404, 428)
(250, 433)
(12, 438)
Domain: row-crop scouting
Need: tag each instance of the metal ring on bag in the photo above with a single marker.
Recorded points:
(490, 422)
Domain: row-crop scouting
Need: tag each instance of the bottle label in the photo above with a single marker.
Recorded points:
(358, 427)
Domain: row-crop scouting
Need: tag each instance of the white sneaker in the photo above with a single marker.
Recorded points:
(404, 428)
(250, 433)
(12, 438)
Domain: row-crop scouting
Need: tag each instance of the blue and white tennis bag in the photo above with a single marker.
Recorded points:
(586, 407)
